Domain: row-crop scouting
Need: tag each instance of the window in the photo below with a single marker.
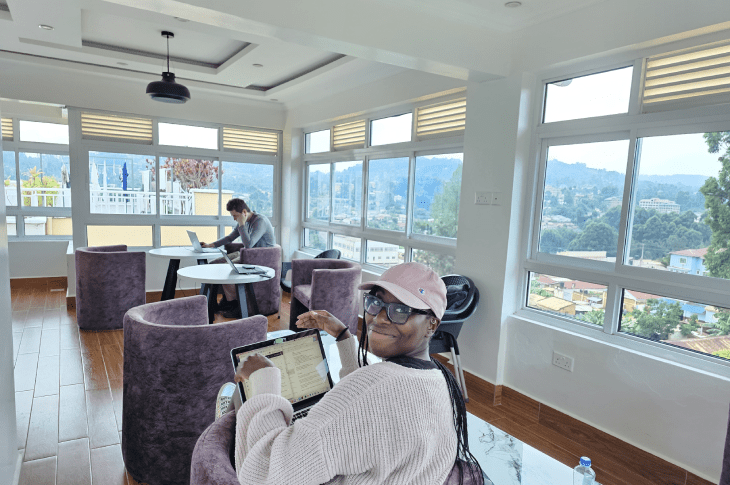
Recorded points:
(349, 246)
(133, 236)
(188, 136)
(10, 179)
(178, 235)
(47, 226)
(387, 193)
(318, 192)
(190, 187)
(315, 239)
(579, 300)
(437, 194)
(395, 129)
(253, 182)
(34, 131)
(121, 183)
(384, 254)
(630, 228)
(601, 94)
(443, 264)
(582, 199)
(317, 142)
(347, 193)
(44, 180)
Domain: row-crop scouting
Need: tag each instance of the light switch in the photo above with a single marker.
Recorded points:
(496, 198)
(482, 198)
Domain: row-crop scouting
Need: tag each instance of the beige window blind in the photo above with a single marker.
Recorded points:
(7, 128)
(443, 119)
(116, 128)
(264, 142)
(692, 77)
(349, 135)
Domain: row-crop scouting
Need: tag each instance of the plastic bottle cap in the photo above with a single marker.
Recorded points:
(585, 461)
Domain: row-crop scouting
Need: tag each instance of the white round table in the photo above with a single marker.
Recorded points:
(212, 275)
(175, 254)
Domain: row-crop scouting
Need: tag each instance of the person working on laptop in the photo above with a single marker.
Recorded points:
(402, 420)
(255, 231)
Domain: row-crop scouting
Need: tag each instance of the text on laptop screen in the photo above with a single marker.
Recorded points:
(303, 372)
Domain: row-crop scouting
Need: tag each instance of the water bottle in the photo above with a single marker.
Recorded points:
(583, 474)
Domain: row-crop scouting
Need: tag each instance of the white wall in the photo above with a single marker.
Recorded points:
(8, 446)
(37, 259)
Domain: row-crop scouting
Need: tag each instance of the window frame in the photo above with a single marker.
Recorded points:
(616, 276)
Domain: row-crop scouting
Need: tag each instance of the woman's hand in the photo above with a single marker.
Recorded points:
(206, 245)
(321, 320)
(251, 364)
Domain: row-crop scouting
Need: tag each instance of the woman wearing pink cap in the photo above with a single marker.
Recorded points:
(400, 421)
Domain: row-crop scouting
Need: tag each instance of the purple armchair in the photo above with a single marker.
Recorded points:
(109, 281)
(174, 365)
(268, 293)
(325, 284)
(213, 462)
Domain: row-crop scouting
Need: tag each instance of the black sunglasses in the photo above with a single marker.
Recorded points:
(398, 313)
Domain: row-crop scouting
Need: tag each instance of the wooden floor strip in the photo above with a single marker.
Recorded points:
(43, 428)
(74, 463)
(93, 367)
(100, 417)
(72, 370)
(38, 472)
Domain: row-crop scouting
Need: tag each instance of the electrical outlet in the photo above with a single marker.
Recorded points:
(496, 198)
(563, 361)
(482, 198)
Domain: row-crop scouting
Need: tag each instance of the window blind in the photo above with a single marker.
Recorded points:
(7, 128)
(349, 135)
(442, 119)
(116, 128)
(692, 77)
(265, 142)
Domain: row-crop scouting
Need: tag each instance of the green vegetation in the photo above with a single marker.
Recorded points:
(442, 264)
(36, 180)
(656, 321)
(595, 317)
(717, 202)
(444, 209)
(724, 353)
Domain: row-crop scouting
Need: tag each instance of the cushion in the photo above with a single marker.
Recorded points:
(303, 293)
(455, 296)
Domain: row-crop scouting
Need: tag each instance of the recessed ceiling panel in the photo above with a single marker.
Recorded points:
(118, 33)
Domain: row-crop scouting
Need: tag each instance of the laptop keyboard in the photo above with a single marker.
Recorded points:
(300, 414)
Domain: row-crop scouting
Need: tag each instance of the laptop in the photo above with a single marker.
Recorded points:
(197, 248)
(241, 268)
(305, 375)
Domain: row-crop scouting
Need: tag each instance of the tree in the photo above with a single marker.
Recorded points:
(656, 321)
(717, 202)
(445, 207)
(192, 173)
(595, 317)
(36, 180)
(536, 289)
(597, 236)
(687, 328)
(722, 326)
(442, 264)
(554, 240)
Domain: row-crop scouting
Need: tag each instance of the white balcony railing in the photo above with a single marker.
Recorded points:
(38, 196)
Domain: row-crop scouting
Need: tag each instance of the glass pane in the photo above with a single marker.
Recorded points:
(317, 142)
(395, 129)
(318, 199)
(691, 325)
(43, 132)
(188, 136)
(442, 264)
(191, 187)
(605, 93)
(178, 235)
(133, 236)
(252, 182)
(11, 224)
(315, 239)
(384, 254)
(680, 212)
(581, 208)
(45, 180)
(437, 194)
(347, 197)
(121, 183)
(577, 299)
(47, 226)
(387, 193)
(11, 181)
(349, 246)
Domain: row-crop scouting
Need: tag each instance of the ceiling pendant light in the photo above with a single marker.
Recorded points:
(167, 90)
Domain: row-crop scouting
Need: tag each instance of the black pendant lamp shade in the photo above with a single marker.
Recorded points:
(167, 90)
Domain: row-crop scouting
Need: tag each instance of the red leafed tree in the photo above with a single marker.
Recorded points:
(192, 173)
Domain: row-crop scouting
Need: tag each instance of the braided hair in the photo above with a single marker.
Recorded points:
(464, 458)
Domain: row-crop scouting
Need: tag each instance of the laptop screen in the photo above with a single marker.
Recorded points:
(304, 372)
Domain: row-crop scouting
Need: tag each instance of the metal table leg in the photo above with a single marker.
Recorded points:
(168, 291)
(246, 293)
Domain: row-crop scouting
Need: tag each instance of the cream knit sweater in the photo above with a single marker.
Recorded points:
(381, 424)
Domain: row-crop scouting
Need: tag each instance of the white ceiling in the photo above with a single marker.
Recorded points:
(307, 46)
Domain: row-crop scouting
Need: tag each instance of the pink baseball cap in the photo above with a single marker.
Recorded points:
(416, 285)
